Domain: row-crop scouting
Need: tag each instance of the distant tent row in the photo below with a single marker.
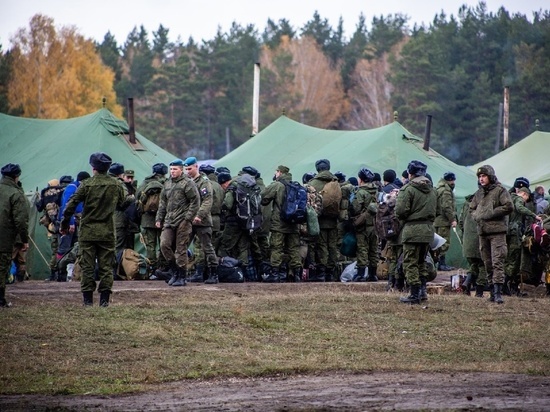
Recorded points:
(49, 149)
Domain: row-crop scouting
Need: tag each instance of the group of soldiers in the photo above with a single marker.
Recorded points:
(198, 221)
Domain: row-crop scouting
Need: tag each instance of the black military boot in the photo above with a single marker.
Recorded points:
(479, 291)
(414, 296)
(181, 274)
(507, 286)
(466, 285)
(371, 275)
(319, 275)
(328, 275)
(391, 283)
(198, 276)
(3, 302)
(104, 298)
(174, 273)
(212, 276)
(272, 275)
(442, 265)
(400, 283)
(88, 298)
(53, 276)
(423, 292)
(548, 289)
(360, 275)
(492, 293)
(498, 293)
(297, 274)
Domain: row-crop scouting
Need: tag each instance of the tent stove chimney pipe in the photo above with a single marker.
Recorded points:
(256, 100)
(427, 132)
(131, 124)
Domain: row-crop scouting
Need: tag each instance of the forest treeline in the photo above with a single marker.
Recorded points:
(195, 98)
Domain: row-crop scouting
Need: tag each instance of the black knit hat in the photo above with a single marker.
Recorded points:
(389, 175)
(82, 176)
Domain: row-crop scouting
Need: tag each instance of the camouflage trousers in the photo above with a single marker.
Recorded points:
(367, 247)
(151, 238)
(204, 250)
(445, 233)
(174, 243)
(477, 269)
(285, 244)
(493, 252)
(513, 257)
(326, 248)
(5, 267)
(235, 242)
(104, 252)
(414, 262)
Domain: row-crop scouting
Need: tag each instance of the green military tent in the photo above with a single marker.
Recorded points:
(49, 149)
(298, 146)
(526, 158)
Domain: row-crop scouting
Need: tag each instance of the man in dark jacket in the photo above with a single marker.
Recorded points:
(101, 195)
(285, 236)
(14, 222)
(490, 208)
(416, 208)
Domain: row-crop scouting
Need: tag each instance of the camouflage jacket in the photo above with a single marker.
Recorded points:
(179, 201)
(14, 215)
(490, 208)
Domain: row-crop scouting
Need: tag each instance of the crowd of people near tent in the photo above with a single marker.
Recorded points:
(201, 224)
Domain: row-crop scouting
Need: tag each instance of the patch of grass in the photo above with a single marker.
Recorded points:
(55, 346)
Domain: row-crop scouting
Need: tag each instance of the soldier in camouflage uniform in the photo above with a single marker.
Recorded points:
(217, 201)
(490, 208)
(101, 195)
(124, 239)
(149, 230)
(202, 221)
(14, 222)
(445, 220)
(416, 208)
(260, 248)
(179, 204)
(285, 237)
(363, 210)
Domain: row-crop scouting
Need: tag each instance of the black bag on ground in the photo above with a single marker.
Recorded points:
(230, 274)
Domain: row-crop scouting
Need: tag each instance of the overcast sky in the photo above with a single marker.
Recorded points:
(201, 18)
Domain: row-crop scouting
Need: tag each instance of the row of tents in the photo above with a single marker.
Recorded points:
(48, 149)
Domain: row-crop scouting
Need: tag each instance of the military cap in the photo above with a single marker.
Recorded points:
(417, 168)
(223, 169)
(207, 169)
(129, 172)
(252, 171)
(116, 169)
(449, 176)
(82, 176)
(322, 164)
(100, 161)
(521, 182)
(176, 162)
(283, 169)
(485, 170)
(307, 177)
(190, 161)
(365, 175)
(11, 170)
(66, 179)
(340, 176)
(223, 177)
(389, 175)
(160, 169)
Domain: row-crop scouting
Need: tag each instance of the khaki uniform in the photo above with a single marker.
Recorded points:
(203, 230)
(367, 239)
(446, 214)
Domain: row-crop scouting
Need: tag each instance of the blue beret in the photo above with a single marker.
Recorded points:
(101, 161)
(11, 169)
(223, 177)
(417, 168)
(322, 164)
(449, 176)
(207, 169)
(116, 169)
(176, 162)
(190, 161)
(160, 169)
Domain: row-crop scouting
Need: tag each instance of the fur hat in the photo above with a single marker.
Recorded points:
(223, 177)
(206, 169)
(283, 169)
(223, 169)
(340, 176)
(417, 168)
(160, 169)
(521, 182)
(116, 169)
(389, 175)
(365, 175)
(307, 177)
(449, 176)
(101, 161)
(252, 171)
(322, 164)
(11, 170)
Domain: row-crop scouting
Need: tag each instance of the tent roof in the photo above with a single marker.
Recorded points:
(527, 158)
(48, 149)
(298, 146)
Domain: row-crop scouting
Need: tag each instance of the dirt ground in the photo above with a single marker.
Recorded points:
(330, 392)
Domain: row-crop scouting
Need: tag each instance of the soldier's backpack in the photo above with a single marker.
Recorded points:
(149, 198)
(332, 196)
(248, 203)
(294, 207)
(133, 265)
(50, 203)
(386, 222)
